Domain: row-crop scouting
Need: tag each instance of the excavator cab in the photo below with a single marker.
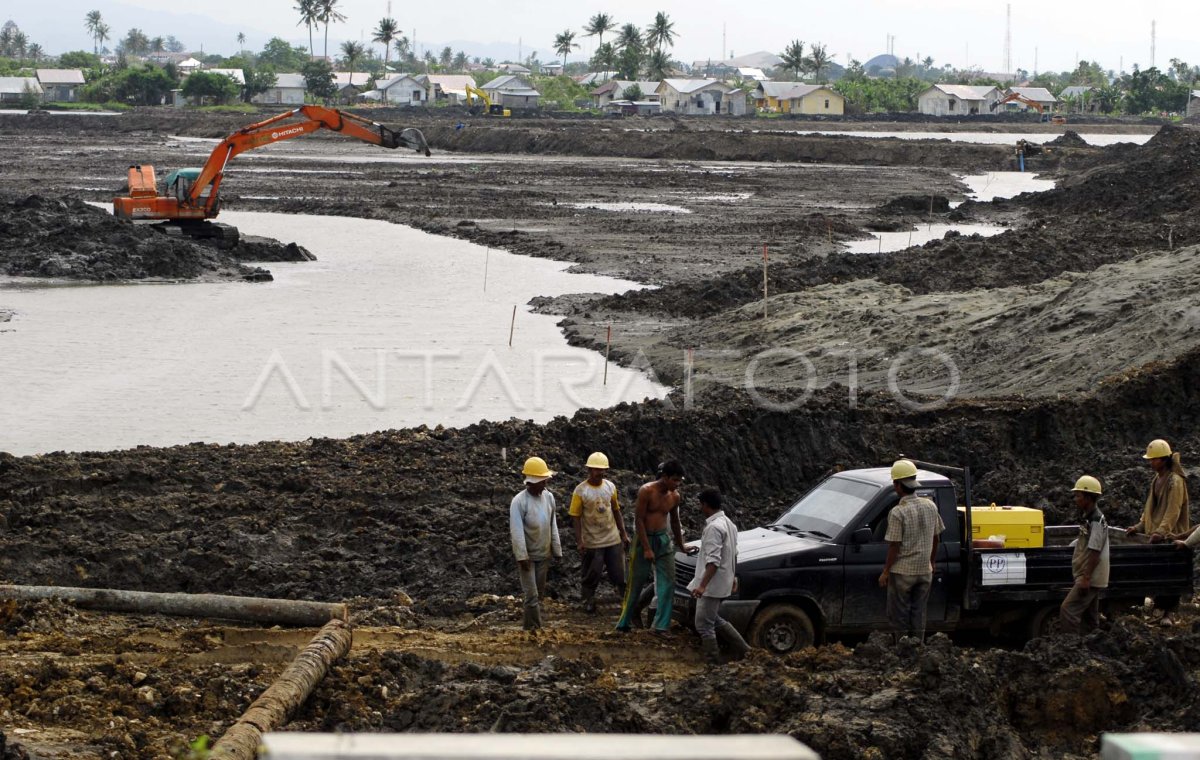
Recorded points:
(180, 181)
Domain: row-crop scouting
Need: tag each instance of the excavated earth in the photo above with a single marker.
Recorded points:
(1074, 331)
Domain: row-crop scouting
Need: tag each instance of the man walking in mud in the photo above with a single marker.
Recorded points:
(1089, 563)
(657, 504)
(716, 579)
(600, 532)
(912, 534)
(1165, 515)
(533, 527)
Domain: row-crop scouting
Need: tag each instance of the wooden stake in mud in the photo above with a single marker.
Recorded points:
(931, 213)
(275, 706)
(512, 326)
(486, 258)
(607, 348)
(764, 280)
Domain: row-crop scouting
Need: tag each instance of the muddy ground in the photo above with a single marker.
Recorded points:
(421, 514)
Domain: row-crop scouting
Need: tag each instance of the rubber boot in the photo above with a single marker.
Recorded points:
(532, 618)
(737, 645)
(710, 650)
(641, 604)
(589, 601)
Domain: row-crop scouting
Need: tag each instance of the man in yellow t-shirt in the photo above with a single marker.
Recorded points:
(599, 530)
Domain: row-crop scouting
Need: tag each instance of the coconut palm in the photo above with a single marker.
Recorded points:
(661, 32)
(403, 48)
(658, 65)
(35, 52)
(446, 57)
(460, 61)
(20, 43)
(598, 25)
(327, 13)
(384, 34)
(793, 58)
(92, 22)
(102, 34)
(563, 45)
(352, 53)
(309, 16)
(241, 38)
(605, 57)
(818, 60)
(157, 45)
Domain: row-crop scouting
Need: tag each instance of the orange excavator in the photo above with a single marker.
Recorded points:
(1016, 97)
(191, 195)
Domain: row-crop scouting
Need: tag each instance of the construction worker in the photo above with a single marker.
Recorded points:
(534, 530)
(1089, 563)
(600, 532)
(716, 579)
(1165, 516)
(657, 504)
(913, 528)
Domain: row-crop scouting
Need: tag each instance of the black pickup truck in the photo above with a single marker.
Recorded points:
(814, 572)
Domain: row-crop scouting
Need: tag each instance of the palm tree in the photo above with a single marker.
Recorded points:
(630, 36)
(20, 42)
(102, 34)
(793, 58)
(661, 32)
(241, 38)
(460, 61)
(352, 53)
(598, 25)
(92, 22)
(658, 66)
(36, 53)
(818, 60)
(605, 57)
(563, 45)
(430, 61)
(328, 14)
(158, 44)
(446, 57)
(403, 51)
(309, 15)
(384, 34)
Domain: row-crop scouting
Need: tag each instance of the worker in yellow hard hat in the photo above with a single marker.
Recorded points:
(913, 529)
(600, 533)
(1089, 563)
(1165, 515)
(533, 527)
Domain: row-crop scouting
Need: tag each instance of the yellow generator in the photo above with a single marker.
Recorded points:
(1020, 526)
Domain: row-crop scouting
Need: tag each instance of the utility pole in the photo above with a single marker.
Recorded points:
(1008, 40)
(1153, 41)
(724, 46)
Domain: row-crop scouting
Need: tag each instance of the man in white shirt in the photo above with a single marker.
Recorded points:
(716, 579)
(533, 528)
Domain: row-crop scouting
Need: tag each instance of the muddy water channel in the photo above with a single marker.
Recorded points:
(391, 327)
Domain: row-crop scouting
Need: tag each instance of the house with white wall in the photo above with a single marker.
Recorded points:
(289, 90)
(957, 100)
(60, 85)
(701, 96)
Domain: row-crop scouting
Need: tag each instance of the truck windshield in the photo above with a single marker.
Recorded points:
(828, 508)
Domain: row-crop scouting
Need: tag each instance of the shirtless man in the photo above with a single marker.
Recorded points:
(657, 504)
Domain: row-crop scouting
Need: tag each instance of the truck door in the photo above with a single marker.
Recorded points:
(865, 603)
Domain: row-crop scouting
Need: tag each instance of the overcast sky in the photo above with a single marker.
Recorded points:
(951, 31)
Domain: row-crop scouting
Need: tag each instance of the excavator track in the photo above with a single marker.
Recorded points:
(220, 235)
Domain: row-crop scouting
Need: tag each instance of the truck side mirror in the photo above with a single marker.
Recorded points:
(862, 536)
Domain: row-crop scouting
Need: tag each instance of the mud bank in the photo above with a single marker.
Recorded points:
(69, 239)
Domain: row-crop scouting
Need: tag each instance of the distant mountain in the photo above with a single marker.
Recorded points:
(884, 62)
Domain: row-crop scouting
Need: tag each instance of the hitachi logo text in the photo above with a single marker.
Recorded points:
(286, 132)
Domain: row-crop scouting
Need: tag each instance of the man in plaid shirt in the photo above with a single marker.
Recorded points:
(912, 535)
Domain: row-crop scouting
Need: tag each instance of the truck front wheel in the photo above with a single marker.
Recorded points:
(782, 628)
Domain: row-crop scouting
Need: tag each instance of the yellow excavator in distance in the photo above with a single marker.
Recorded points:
(487, 107)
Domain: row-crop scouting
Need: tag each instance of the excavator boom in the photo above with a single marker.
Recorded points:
(193, 193)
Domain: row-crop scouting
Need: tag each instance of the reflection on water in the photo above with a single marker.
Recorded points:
(886, 242)
(391, 327)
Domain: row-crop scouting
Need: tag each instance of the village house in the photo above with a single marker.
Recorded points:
(1079, 98)
(1193, 106)
(700, 96)
(633, 107)
(511, 92)
(1039, 95)
(596, 78)
(349, 84)
(401, 90)
(451, 88)
(60, 85)
(615, 89)
(515, 69)
(289, 89)
(14, 89)
(797, 97)
(957, 100)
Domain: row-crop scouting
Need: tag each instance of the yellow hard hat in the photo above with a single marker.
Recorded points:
(1157, 448)
(598, 460)
(903, 470)
(535, 467)
(1088, 484)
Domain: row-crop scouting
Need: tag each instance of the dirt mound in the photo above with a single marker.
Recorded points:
(1068, 139)
(69, 239)
(917, 204)
(256, 248)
